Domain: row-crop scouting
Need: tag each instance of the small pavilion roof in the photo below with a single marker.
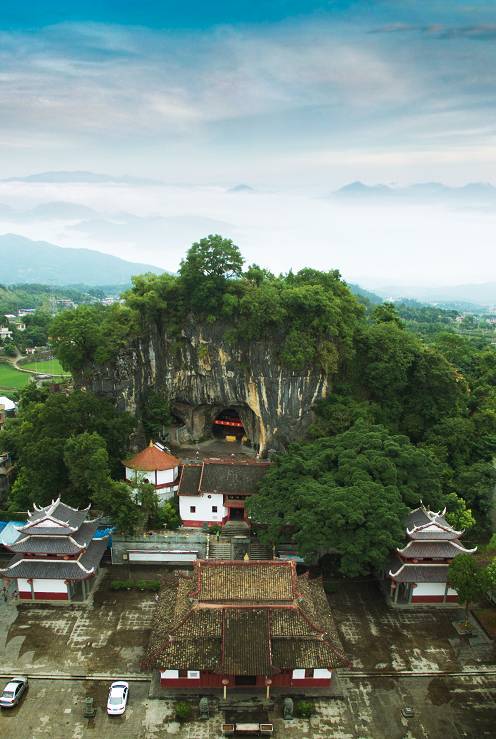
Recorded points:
(152, 458)
(56, 519)
(427, 525)
(48, 544)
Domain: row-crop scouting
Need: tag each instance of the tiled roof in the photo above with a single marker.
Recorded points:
(403, 572)
(152, 458)
(232, 477)
(237, 581)
(246, 642)
(64, 519)
(59, 569)
(425, 524)
(433, 549)
(46, 544)
(437, 534)
(246, 632)
(189, 481)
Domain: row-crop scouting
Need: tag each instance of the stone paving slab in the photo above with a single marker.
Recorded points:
(445, 708)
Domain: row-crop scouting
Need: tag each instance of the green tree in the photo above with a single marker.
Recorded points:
(212, 257)
(465, 575)
(37, 439)
(155, 414)
(87, 462)
(204, 273)
(386, 313)
(458, 515)
(91, 334)
(348, 494)
(116, 500)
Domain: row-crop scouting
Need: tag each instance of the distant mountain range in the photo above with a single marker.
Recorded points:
(23, 260)
(241, 188)
(483, 294)
(82, 176)
(420, 192)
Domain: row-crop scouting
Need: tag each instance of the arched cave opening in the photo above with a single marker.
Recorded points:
(228, 424)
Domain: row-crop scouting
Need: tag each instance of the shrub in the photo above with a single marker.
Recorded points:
(121, 585)
(304, 709)
(153, 585)
(215, 530)
(183, 711)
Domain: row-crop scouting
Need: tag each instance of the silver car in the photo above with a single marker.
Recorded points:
(13, 692)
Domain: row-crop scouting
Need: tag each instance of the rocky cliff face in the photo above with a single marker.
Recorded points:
(202, 374)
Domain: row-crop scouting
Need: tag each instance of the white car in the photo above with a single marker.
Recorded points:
(117, 699)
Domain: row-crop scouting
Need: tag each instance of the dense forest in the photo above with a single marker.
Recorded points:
(410, 414)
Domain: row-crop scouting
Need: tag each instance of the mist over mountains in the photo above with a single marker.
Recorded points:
(378, 236)
(419, 192)
(63, 176)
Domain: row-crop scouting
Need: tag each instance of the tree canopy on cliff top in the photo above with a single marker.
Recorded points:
(311, 315)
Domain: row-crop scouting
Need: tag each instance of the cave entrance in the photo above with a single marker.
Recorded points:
(228, 425)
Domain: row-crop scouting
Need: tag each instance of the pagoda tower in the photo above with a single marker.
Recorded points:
(56, 555)
(419, 571)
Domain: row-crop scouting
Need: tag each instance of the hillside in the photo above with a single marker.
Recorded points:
(26, 261)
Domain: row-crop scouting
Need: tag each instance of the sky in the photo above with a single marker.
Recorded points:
(294, 97)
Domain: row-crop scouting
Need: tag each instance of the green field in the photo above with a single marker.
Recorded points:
(48, 366)
(12, 379)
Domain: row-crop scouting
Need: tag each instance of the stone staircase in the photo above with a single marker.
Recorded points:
(258, 550)
(221, 549)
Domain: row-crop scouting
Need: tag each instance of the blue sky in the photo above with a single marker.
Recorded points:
(293, 97)
(291, 91)
(275, 91)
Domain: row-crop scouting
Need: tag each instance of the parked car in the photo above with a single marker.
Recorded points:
(13, 692)
(117, 698)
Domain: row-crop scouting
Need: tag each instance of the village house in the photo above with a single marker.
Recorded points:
(6, 470)
(215, 491)
(418, 572)
(156, 466)
(243, 624)
(7, 408)
(5, 333)
(56, 555)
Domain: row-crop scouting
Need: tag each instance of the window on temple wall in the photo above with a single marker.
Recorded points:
(193, 674)
(309, 672)
(192, 509)
(214, 509)
(182, 673)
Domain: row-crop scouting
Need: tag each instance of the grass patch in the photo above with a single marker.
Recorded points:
(12, 379)
(46, 366)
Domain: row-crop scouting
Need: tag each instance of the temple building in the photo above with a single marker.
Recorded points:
(215, 490)
(156, 466)
(56, 555)
(244, 624)
(418, 573)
